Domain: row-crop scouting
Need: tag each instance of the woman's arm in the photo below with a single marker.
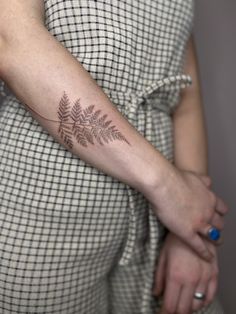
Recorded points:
(180, 273)
(56, 88)
(190, 135)
(66, 101)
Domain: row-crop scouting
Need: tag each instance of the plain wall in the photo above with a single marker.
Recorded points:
(215, 25)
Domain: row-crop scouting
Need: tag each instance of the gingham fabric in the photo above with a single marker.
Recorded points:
(73, 239)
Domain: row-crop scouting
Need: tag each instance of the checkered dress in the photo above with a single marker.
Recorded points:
(73, 239)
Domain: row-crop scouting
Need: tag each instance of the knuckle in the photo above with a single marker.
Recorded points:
(193, 281)
(181, 278)
(213, 198)
(177, 278)
(223, 206)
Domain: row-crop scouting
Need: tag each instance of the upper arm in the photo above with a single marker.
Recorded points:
(191, 63)
(190, 99)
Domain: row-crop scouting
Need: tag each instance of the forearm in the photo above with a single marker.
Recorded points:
(41, 72)
(190, 135)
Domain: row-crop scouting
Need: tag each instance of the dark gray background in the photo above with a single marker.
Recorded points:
(215, 24)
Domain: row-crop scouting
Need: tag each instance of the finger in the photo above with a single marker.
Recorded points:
(202, 288)
(159, 276)
(204, 231)
(221, 206)
(197, 244)
(218, 242)
(171, 296)
(211, 291)
(185, 299)
(217, 221)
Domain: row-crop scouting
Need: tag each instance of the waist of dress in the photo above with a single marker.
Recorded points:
(161, 94)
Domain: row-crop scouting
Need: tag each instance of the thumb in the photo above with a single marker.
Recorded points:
(159, 275)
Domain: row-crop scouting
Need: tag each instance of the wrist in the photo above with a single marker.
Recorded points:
(154, 178)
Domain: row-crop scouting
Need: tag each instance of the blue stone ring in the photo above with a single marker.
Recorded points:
(214, 234)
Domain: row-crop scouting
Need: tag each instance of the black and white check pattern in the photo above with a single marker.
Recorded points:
(73, 239)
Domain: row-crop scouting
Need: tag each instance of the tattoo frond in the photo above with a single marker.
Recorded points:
(64, 129)
(87, 126)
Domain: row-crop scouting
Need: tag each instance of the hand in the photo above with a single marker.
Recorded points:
(220, 208)
(180, 273)
(186, 206)
(217, 219)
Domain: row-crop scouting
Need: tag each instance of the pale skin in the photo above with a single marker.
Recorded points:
(40, 71)
(180, 272)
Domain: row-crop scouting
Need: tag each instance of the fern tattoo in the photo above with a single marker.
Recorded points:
(86, 125)
(64, 115)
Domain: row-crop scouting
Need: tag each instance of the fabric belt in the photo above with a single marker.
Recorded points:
(150, 99)
(130, 111)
